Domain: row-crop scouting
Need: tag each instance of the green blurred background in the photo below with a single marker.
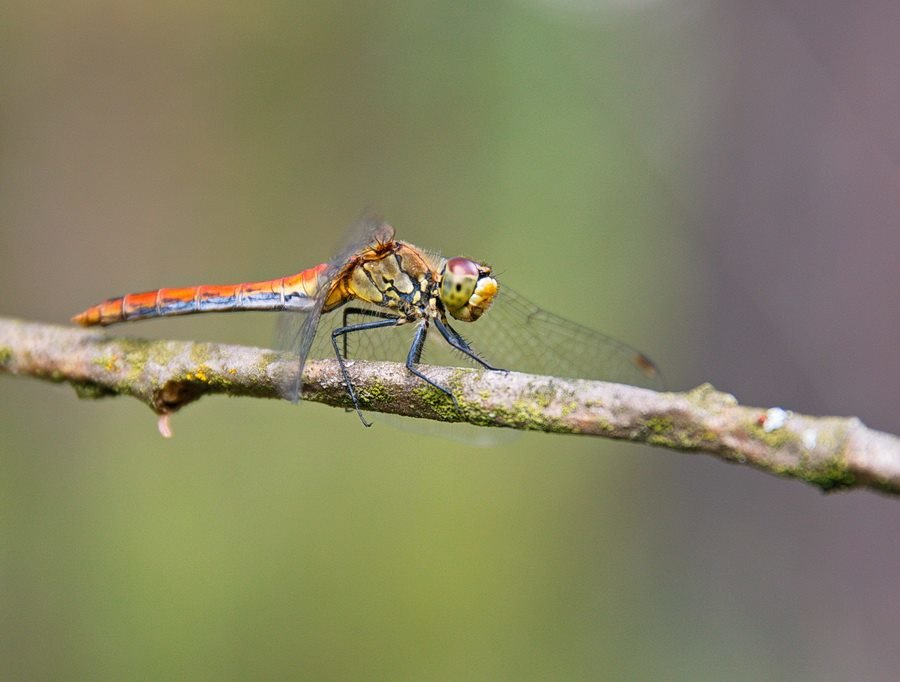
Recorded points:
(657, 170)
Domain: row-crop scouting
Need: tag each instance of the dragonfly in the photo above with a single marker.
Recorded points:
(380, 283)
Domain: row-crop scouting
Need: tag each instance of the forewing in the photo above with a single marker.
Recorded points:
(518, 335)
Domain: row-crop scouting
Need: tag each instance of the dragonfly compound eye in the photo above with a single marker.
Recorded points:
(467, 289)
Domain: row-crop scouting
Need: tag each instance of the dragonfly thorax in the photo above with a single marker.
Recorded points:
(395, 276)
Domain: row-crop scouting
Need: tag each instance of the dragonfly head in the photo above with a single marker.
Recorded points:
(467, 288)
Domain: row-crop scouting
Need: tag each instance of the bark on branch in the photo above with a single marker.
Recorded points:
(830, 452)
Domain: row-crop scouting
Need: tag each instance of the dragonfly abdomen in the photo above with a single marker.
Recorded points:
(296, 293)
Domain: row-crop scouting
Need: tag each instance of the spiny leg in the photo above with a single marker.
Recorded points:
(412, 357)
(343, 331)
(415, 354)
(362, 312)
(459, 343)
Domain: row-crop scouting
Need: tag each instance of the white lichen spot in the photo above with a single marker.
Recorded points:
(810, 439)
(775, 418)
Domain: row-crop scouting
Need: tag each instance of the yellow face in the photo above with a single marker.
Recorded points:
(467, 289)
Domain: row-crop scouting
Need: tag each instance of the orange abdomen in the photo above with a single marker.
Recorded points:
(296, 292)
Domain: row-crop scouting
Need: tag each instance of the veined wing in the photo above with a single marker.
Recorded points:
(298, 333)
(518, 335)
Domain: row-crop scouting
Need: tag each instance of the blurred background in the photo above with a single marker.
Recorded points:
(722, 178)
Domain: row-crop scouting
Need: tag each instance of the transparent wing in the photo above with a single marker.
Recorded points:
(295, 333)
(299, 332)
(518, 335)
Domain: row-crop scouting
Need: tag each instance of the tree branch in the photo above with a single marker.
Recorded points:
(830, 452)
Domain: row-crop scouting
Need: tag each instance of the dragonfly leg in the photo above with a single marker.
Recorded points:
(348, 329)
(415, 354)
(362, 312)
(459, 343)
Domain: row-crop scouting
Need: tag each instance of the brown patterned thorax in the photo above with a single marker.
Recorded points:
(395, 275)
